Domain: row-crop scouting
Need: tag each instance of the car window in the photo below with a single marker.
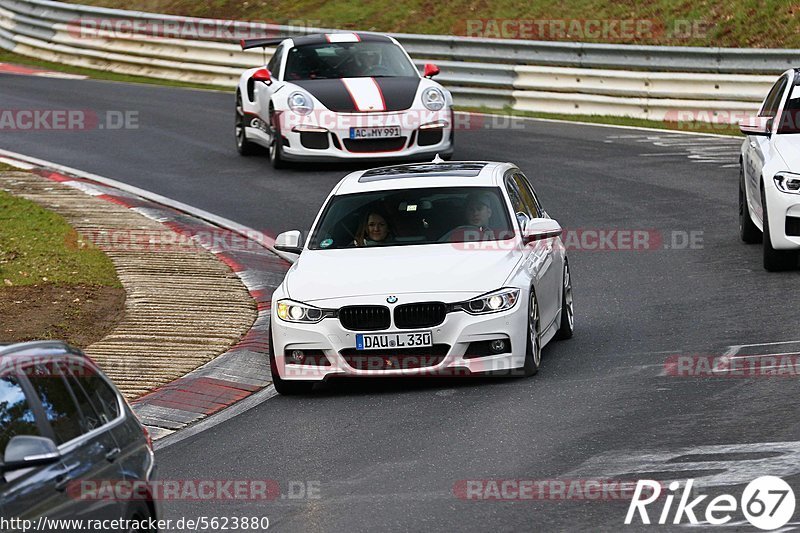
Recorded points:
(528, 197)
(275, 62)
(102, 397)
(59, 405)
(514, 194)
(90, 418)
(773, 100)
(790, 119)
(347, 60)
(412, 217)
(16, 416)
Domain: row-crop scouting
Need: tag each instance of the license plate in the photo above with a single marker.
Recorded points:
(375, 133)
(384, 341)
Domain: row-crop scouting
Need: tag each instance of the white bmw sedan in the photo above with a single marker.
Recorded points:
(435, 269)
(769, 178)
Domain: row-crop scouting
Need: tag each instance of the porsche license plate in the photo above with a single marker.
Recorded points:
(384, 132)
(384, 341)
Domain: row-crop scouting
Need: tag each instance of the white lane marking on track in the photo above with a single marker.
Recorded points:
(638, 464)
(718, 151)
(226, 414)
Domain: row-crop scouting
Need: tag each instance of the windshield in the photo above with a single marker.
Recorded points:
(347, 60)
(790, 121)
(413, 216)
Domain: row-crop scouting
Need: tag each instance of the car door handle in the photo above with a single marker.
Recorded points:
(112, 455)
(62, 481)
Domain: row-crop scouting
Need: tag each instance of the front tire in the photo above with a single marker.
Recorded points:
(567, 328)
(243, 146)
(748, 231)
(775, 260)
(276, 145)
(533, 350)
(285, 387)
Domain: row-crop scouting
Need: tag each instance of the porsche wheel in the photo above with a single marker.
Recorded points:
(243, 146)
(276, 144)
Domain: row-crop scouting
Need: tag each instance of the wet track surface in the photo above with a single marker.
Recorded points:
(388, 454)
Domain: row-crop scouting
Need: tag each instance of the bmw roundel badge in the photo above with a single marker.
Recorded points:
(391, 299)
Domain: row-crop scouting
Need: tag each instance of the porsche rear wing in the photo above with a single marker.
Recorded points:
(247, 44)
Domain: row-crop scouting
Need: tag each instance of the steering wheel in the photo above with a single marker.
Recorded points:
(467, 227)
(380, 70)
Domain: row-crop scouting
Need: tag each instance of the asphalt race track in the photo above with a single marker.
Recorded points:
(388, 454)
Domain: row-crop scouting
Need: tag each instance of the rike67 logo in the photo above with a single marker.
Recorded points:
(766, 502)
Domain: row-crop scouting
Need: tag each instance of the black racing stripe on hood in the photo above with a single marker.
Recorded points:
(332, 93)
(398, 93)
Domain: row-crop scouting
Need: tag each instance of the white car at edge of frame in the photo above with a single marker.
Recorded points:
(342, 97)
(436, 269)
(769, 176)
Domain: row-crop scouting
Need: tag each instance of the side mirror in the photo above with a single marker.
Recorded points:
(290, 242)
(431, 70)
(523, 220)
(538, 229)
(756, 126)
(26, 451)
(262, 74)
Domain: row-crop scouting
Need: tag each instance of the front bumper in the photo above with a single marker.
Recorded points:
(326, 135)
(456, 333)
(783, 210)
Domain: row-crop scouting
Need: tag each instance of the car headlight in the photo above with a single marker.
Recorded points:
(433, 98)
(290, 311)
(300, 103)
(788, 182)
(493, 302)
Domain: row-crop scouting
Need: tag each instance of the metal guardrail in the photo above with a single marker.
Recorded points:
(556, 77)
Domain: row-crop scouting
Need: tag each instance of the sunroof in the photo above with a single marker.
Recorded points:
(457, 169)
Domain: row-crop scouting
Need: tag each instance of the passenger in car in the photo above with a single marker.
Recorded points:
(478, 210)
(373, 230)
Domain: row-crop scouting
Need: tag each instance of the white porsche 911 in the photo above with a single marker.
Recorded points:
(342, 96)
(431, 269)
(769, 177)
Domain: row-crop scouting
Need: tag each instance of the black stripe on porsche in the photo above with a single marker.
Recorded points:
(398, 93)
(332, 93)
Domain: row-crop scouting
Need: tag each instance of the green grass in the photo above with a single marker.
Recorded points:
(10, 57)
(734, 23)
(694, 127)
(38, 246)
(4, 167)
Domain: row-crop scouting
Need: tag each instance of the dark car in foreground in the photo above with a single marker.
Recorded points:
(68, 442)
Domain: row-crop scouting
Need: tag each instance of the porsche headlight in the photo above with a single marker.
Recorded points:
(300, 103)
(290, 311)
(493, 302)
(788, 182)
(433, 98)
